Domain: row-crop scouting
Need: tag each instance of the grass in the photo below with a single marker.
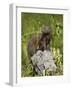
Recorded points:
(31, 24)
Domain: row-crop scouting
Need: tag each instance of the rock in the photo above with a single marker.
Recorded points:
(43, 60)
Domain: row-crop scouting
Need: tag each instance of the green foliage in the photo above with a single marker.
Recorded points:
(31, 24)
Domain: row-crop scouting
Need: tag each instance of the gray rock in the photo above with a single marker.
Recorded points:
(43, 60)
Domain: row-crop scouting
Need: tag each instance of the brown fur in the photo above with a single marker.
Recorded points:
(40, 41)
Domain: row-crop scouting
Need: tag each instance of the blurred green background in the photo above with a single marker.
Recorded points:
(31, 24)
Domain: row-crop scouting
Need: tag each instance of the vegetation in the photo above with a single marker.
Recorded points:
(31, 23)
